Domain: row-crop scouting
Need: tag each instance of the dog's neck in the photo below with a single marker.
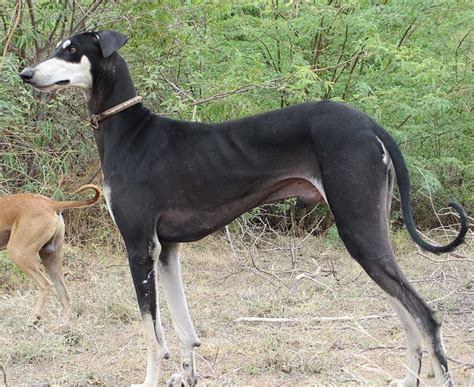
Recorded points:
(112, 85)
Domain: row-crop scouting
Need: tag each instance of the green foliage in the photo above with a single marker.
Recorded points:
(406, 63)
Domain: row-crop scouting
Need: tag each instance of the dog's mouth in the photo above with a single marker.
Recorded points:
(47, 87)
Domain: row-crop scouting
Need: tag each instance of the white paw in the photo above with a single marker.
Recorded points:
(176, 380)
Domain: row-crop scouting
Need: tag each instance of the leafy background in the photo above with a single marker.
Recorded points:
(406, 63)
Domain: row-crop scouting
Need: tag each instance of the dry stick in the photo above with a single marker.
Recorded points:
(351, 71)
(33, 25)
(397, 347)
(88, 12)
(318, 38)
(431, 202)
(405, 36)
(407, 33)
(313, 319)
(11, 31)
(443, 260)
(272, 62)
(73, 13)
(299, 277)
(403, 122)
(456, 53)
(178, 90)
(2, 368)
(56, 25)
(343, 47)
(93, 176)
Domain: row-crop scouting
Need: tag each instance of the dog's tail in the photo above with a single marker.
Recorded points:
(403, 180)
(80, 203)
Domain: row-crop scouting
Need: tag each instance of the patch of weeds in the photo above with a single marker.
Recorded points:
(275, 355)
(332, 237)
(11, 277)
(72, 337)
(94, 380)
(33, 351)
(315, 367)
(119, 311)
(259, 307)
(401, 241)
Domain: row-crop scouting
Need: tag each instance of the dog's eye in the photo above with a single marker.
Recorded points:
(71, 50)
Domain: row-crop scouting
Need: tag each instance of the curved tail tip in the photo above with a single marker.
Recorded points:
(92, 187)
(464, 227)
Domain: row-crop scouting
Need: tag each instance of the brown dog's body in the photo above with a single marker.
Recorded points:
(32, 224)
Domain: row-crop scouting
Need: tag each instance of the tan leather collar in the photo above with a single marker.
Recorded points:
(96, 118)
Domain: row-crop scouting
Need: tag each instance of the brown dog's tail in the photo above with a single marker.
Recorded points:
(80, 203)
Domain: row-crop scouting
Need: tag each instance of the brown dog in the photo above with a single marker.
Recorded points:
(32, 224)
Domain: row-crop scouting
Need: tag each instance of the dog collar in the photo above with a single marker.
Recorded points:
(96, 118)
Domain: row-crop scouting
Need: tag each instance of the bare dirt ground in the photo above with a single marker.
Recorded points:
(254, 276)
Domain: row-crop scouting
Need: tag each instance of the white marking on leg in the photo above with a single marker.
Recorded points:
(170, 277)
(415, 337)
(108, 200)
(154, 334)
(442, 376)
(160, 336)
(153, 365)
(414, 343)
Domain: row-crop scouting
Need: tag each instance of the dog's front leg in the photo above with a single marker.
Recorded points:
(170, 276)
(143, 258)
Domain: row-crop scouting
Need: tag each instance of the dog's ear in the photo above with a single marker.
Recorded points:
(110, 41)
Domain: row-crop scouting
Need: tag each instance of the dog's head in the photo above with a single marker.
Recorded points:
(76, 61)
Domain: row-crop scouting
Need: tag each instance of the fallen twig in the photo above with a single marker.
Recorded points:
(299, 277)
(313, 319)
(444, 260)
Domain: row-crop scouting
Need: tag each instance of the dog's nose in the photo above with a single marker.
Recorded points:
(26, 74)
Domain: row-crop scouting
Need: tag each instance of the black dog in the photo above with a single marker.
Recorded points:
(169, 181)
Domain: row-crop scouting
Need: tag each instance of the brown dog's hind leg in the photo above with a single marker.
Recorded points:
(26, 239)
(28, 263)
(51, 257)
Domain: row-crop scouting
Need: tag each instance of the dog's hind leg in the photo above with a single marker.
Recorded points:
(412, 332)
(357, 195)
(414, 344)
(51, 257)
(24, 255)
(170, 276)
(143, 253)
(365, 243)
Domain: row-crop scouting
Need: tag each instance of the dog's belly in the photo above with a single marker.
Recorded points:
(184, 225)
(4, 237)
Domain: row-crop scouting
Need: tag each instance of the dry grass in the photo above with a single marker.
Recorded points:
(253, 276)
